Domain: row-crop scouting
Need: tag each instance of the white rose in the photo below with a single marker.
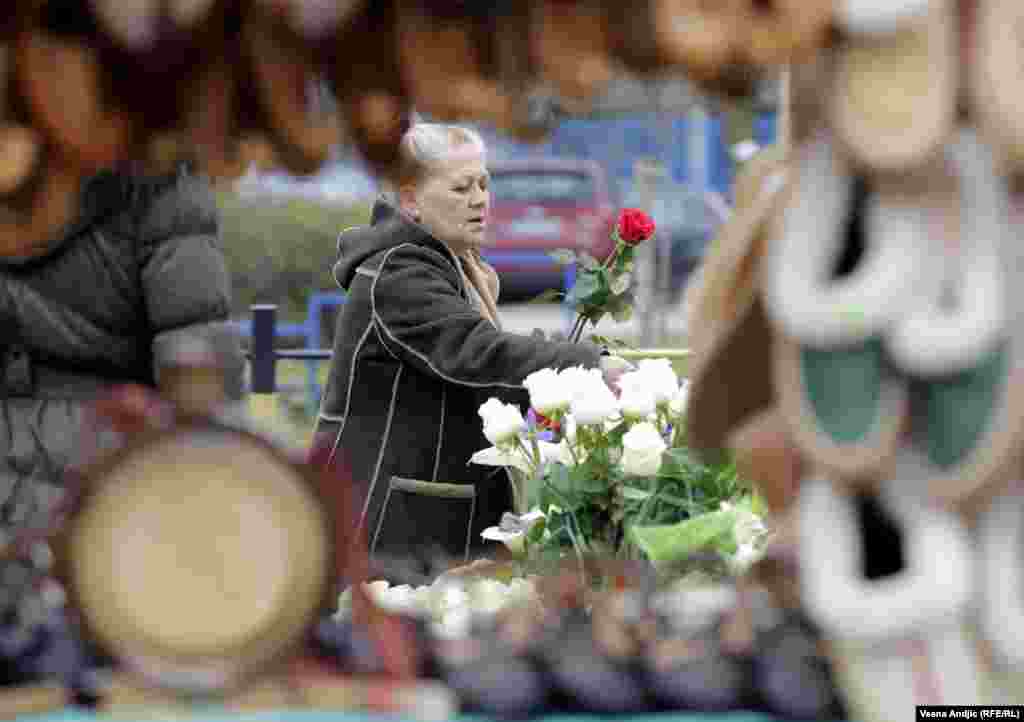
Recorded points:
(548, 392)
(554, 453)
(489, 596)
(398, 599)
(677, 404)
(593, 402)
(502, 422)
(574, 378)
(658, 377)
(454, 623)
(642, 448)
(569, 429)
(744, 558)
(749, 528)
(636, 400)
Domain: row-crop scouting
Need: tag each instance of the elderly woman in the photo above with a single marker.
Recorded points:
(419, 347)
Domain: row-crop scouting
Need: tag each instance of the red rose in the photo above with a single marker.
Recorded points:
(635, 226)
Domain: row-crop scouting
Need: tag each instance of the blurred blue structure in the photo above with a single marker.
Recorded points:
(617, 143)
(310, 328)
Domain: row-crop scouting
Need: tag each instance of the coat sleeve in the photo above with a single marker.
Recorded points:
(185, 281)
(425, 322)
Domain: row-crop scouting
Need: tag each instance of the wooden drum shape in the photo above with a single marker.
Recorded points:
(199, 557)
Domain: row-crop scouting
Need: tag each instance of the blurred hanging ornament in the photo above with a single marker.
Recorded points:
(571, 44)
(32, 217)
(314, 19)
(62, 83)
(366, 78)
(443, 65)
(893, 98)
(783, 31)
(284, 74)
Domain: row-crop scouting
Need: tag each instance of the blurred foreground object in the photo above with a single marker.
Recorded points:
(859, 347)
(279, 82)
(199, 555)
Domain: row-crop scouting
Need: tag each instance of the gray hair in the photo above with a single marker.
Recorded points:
(423, 147)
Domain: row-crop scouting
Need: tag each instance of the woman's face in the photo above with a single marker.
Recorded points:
(452, 202)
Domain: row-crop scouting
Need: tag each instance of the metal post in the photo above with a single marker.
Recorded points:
(569, 280)
(647, 174)
(312, 367)
(264, 357)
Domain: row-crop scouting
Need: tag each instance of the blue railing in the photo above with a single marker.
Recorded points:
(309, 329)
(263, 356)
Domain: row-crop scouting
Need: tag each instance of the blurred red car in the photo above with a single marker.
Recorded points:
(538, 206)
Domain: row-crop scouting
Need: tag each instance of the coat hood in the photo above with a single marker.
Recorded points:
(387, 229)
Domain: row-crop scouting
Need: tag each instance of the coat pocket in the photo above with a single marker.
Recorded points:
(418, 515)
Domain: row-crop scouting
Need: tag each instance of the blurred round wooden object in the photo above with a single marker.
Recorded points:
(533, 107)
(784, 31)
(199, 556)
(33, 215)
(211, 119)
(442, 66)
(997, 76)
(313, 19)
(572, 47)
(894, 95)
(367, 79)
(131, 23)
(700, 35)
(20, 153)
(61, 82)
(283, 73)
(635, 40)
(136, 24)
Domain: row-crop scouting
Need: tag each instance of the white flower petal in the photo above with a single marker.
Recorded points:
(495, 456)
(642, 450)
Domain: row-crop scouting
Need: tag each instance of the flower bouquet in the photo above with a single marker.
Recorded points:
(603, 474)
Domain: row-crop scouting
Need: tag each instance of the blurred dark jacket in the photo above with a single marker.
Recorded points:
(135, 279)
(413, 361)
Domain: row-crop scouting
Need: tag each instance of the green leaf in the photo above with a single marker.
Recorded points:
(536, 533)
(565, 493)
(623, 314)
(620, 283)
(563, 256)
(589, 478)
(549, 296)
(634, 494)
(586, 287)
(671, 543)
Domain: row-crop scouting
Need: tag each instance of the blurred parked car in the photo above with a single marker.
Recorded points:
(538, 206)
(688, 220)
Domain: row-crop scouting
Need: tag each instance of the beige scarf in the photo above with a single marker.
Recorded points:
(482, 280)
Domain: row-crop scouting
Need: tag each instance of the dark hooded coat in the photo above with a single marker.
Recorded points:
(413, 361)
